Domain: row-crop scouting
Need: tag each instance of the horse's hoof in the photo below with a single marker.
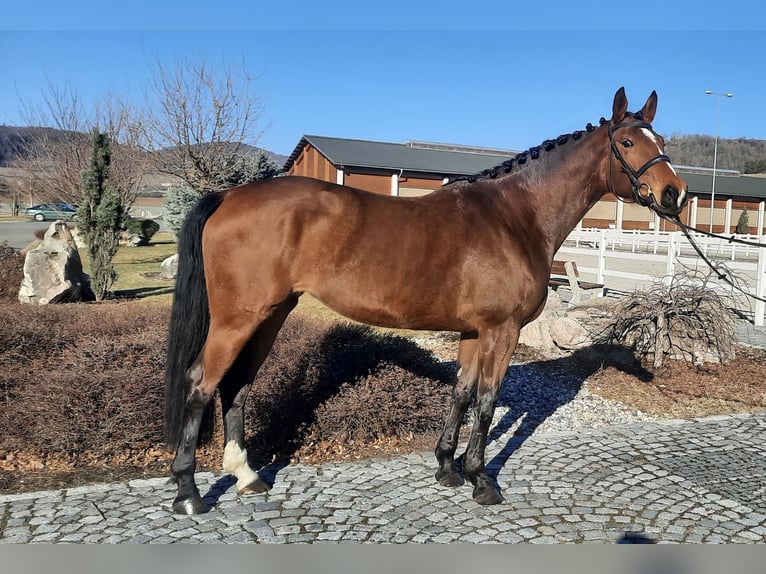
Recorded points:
(258, 486)
(193, 505)
(487, 495)
(452, 479)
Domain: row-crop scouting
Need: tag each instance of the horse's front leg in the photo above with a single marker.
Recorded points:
(496, 346)
(467, 375)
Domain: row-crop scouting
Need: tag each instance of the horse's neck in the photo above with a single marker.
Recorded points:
(564, 193)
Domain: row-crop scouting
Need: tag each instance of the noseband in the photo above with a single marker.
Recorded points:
(644, 200)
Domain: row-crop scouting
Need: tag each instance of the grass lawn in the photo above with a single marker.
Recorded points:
(138, 270)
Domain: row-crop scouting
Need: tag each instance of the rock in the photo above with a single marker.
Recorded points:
(53, 270)
(130, 239)
(537, 334)
(78, 239)
(169, 267)
(569, 334)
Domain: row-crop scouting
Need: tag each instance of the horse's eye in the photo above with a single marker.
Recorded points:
(626, 143)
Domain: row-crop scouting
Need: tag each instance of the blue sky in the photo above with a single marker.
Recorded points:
(496, 77)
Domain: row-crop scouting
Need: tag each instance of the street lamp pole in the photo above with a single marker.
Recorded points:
(715, 147)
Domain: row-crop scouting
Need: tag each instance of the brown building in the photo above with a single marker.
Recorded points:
(416, 168)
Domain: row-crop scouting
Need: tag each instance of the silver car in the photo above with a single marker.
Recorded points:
(52, 211)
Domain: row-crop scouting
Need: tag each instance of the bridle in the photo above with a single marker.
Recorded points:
(650, 201)
(647, 200)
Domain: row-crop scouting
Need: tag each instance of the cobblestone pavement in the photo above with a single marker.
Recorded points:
(669, 481)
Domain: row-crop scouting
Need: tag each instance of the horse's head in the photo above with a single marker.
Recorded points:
(638, 167)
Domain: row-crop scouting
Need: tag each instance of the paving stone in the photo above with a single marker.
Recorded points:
(599, 485)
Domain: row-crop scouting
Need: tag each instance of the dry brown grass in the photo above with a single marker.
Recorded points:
(683, 390)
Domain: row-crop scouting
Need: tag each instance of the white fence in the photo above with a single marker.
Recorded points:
(626, 260)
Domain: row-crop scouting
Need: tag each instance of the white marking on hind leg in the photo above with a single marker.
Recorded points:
(235, 462)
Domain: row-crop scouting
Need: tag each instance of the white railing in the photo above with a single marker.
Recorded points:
(626, 260)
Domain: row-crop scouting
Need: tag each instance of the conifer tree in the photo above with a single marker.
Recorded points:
(743, 223)
(100, 215)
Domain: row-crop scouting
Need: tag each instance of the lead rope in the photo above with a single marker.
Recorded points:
(715, 268)
(730, 239)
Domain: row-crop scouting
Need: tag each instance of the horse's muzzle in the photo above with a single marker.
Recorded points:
(673, 201)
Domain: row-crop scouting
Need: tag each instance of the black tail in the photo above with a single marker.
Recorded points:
(189, 320)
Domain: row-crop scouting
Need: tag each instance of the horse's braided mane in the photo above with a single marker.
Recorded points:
(531, 153)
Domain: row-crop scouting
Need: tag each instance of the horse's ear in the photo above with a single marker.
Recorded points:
(620, 106)
(650, 108)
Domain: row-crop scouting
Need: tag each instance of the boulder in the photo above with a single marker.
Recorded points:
(53, 270)
(169, 267)
(537, 334)
(567, 333)
(130, 239)
(563, 328)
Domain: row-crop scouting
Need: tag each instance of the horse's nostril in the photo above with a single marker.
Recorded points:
(669, 196)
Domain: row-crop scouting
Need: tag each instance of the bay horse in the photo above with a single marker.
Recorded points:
(472, 257)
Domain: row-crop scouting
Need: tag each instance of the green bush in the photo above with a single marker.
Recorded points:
(743, 223)
(145, 228)
(181, 198)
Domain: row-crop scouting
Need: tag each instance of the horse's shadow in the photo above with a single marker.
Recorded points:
(532, 392)
(292, 385)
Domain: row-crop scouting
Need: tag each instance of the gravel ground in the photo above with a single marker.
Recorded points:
(545, 397)
(534, 400)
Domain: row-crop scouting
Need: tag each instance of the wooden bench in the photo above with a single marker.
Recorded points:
(565, 274)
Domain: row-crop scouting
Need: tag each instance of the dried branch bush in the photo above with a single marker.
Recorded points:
(686, 319)
(83, 383)
(343, 382)
(11, 272)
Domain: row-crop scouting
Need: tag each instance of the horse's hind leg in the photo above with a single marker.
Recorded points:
(234, 390)
(188, 500)
(222, 347)
(467, 375)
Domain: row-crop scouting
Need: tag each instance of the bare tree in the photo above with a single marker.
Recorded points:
(55, 158)
(198, 118)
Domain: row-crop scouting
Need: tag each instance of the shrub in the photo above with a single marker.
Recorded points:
(87, 382)
(743, 223)
(384, 404)
(686, 319)
(320, 374)
(144, 228)
(87, 378)
(181, 198)
(11, 272)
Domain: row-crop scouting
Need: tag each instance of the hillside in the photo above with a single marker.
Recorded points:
(15, 142)
(742, 154)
